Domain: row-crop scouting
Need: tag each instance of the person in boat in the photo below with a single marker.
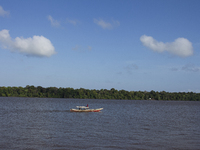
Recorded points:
(87, 105)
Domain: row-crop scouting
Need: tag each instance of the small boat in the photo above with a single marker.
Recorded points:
(85, 109)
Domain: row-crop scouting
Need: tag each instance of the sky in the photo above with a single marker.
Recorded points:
(134, 45)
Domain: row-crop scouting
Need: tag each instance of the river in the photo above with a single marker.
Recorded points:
(47, 124)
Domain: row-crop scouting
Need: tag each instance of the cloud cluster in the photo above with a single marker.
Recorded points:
(180, 47)
(54, 22)
(3, 12)
(36, 46)
(106, 25)
(103, 24)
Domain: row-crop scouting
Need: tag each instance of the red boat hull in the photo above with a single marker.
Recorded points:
(86, 110)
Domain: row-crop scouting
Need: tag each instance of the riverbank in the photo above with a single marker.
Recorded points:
(54, 92)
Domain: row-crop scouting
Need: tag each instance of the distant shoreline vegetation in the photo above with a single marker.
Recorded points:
(54, 92)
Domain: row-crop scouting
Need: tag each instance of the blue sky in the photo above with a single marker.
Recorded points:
(101, 44)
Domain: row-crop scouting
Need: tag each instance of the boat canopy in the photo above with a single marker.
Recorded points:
(84, 107)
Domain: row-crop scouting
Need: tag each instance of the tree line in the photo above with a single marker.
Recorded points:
(54, 92)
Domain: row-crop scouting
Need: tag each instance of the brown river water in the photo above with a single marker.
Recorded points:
(47, 124)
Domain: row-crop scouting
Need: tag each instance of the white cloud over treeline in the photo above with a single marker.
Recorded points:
(107, 25)
(35, 46)
(181, 47)
(3, 12)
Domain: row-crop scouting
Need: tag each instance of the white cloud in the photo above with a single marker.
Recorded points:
(106, 25)
(103, 24)
(131, 67)
(54, 22)
(115, 23)
(76, 48)
(89, 48)
(3, 12)
(181, 47)
(74, 22)
(191, 68)
(174, 69)
(188, 67)
(81, 48)
(36, 46)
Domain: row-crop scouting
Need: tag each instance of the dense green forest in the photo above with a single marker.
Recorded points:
(54, 92)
